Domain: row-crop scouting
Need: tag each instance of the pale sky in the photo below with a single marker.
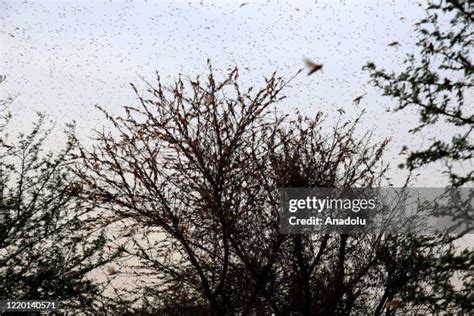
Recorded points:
(62, 57)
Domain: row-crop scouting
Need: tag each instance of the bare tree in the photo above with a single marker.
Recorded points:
(194, 172)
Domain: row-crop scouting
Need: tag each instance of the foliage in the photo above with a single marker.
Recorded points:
(50, 235)
(438, 84)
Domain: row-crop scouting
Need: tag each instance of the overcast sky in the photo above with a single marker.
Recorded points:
(63, 57)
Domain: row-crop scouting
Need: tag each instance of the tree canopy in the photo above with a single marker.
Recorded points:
(194, 172)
